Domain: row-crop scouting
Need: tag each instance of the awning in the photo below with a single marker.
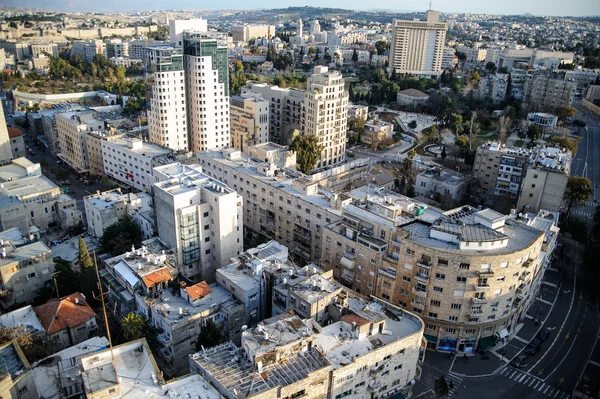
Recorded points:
(487, 342)
(430, 338)
(502, 333)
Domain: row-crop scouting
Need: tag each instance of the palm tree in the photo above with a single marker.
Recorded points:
(133, 326)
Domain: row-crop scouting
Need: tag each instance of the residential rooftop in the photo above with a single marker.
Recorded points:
(443, 175)
(69, 250)
(23, 317)
(341, 346)
(19, 168)
(175, 309)
(11, 254)
(176, 170)
(13, 192)
(108, 199)
(240, 377)
(131, 366)
(554, 158)
(284, 180)
(56, 371)
(192, 183)
(314, 288)
(141, 147)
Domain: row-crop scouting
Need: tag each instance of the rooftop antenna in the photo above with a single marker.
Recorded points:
(430, 1)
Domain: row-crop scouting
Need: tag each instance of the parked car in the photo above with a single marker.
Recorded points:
(519, 361)
(66, 183)
(543, 335)
(533, 347)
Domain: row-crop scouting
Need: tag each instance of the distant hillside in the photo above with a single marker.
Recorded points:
(307, 13)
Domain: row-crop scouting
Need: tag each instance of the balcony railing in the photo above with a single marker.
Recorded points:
(419, 292)
(486, 273)
(422, 277)
(419, 305)
(482, 288)
(387, 273)
(164, 339)
(479, 300)
(424, 264)
(475, 312)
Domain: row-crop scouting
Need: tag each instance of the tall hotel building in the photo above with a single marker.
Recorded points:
(418, 46)
(167, 116)
(207, 81)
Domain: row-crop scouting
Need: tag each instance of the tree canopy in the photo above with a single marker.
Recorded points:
(119, 237)
(579, 190)
(308, 152)
(210, 335)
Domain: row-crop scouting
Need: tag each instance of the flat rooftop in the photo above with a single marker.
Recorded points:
(283, 181)
(168, 304)
(444, 176)
(272, 333)
(133, 368)
(239, 375)
(23, 188)
(177, 169)
(69, 250)
(314, 288)
(192, 183)
(22, 253)
(23, 317)
(140, 147)
(519, 236)
(50, 381)
(341, 347)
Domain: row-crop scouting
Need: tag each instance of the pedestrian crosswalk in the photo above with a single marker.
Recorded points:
(583, 214)
(535, 383)
(456, 381)
(590, 203)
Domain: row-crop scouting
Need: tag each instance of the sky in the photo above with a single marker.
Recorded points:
(535, 7)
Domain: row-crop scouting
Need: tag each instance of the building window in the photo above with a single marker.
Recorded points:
(456, 306)
(452, 318)
(450, 330)
(435, 302)
(431, 327)
(460, 279)
(440, 276)
(464, 266)
(438, 289)
(433, 315)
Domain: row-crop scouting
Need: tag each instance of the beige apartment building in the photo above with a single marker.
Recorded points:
(548, 92)
(470, 274)
(360, 348)
(321, 111)
(72, 128)
(499, 171)
(546, 180)
(245, 33)
(325, 114)
(249, 121)
(93, 142)
(417, 47)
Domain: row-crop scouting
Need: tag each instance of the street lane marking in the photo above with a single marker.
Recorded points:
(545, 301)
(531, 382)
(525, 381)
(536, 385)
(524, 375)
(513, 373)
(541, 386)
(521, 339)
(547, 386)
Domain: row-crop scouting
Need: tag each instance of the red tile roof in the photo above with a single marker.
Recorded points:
(69, 311)
(350, 318)
(199, 290)
(14, 132)
(157, 277)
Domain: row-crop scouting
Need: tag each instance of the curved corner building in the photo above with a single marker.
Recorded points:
(470, 274)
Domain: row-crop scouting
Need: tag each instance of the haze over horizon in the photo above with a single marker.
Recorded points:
(577, 8)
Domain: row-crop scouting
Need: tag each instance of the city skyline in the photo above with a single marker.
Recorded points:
(581, 8)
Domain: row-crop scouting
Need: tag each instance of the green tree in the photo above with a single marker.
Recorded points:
(87, 273)
(412, 125)
(85, 260)
(210, 335)
(411, 154)
(381, 46)
(443, 154)
(410, 191)
(119, 237)
(534, 133)
(133, 326)
(564, 111)
(579, 190)
(308, 152)
(354, 56)
(490, 66)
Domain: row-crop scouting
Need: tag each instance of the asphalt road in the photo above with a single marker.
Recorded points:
(586, 162)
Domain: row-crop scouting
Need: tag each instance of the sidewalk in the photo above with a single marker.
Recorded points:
(478, 365)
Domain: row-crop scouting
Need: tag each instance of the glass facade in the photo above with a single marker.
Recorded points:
(210, 48)
(190, 241)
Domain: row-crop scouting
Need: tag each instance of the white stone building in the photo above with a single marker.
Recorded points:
(102, 210)
(88, 49)
(417, 46)
(203, 219)
(167, 116)
(130, 161)
(207, 90)
(72, 128)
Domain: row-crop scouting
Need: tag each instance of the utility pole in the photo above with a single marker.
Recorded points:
(101, 296)
(55, 283)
